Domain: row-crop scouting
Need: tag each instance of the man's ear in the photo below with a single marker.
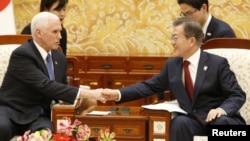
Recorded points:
(204, 7)
(38, 32)
(192, 41)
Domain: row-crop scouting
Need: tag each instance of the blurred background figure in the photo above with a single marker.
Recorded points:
(211, 26)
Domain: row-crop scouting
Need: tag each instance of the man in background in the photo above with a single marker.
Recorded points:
(211, 26)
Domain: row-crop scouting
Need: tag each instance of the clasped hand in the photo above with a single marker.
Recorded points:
(102, 95)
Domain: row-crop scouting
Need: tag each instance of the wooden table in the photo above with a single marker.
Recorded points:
(137, 124)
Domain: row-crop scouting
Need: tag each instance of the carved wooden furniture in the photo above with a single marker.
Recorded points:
(116, 71)
(158, 124)
(72, 71)
(226, 43)
(13, 39)
(128, 126)
(136, 125)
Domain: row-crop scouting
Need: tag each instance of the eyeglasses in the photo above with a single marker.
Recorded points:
(188, 14)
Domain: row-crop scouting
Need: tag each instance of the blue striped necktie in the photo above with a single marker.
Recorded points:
(50, 66)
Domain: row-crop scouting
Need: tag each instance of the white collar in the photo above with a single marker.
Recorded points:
(42, 51)
(204, 28)
(194, 59)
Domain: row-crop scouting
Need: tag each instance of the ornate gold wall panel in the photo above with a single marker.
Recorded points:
(129, 26)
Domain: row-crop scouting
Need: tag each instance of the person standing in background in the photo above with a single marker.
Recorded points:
(57, 7)
(211, 26)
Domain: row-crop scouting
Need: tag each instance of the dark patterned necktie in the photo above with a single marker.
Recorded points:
(50, 66)
(188, 80)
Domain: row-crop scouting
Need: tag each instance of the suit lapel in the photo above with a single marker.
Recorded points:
(201, 73)
(181, 92)
(40, 60)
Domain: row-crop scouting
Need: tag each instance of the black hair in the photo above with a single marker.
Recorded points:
(47, 4)
(197, 4)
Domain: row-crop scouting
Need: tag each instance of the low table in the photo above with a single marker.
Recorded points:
(129, 123)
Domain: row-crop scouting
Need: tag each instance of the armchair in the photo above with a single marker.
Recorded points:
(237, 51)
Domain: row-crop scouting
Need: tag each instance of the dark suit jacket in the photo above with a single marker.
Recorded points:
(26, 84)
(63, 41)
(218, 29)
(215, 86)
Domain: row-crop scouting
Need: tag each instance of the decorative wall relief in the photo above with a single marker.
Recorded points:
(129, 26)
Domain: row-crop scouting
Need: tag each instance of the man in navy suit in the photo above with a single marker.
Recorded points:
(216, 98)
(27, 90)
(211, 26)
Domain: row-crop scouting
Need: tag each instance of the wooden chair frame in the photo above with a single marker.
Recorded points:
(227, 43)
(13, 39)
(73, 71)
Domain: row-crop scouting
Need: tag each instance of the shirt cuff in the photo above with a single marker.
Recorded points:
(119, 96)
(77, 97)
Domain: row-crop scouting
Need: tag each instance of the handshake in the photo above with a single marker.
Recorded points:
(102, 95)
(88, 98)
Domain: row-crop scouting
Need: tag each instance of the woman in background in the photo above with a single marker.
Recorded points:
(57, 7)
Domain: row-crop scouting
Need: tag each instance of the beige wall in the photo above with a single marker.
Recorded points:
(129, 26)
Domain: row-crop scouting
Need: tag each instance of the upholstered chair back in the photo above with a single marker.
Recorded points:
(239, 60)
(7, 44)
(237, 51)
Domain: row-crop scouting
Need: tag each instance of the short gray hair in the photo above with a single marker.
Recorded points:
(41, 21)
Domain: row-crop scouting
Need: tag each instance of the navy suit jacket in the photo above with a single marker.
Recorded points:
(218, 29)
(26, 87)
(215, 86)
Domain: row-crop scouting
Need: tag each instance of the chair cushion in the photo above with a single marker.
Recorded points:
(5, 52)
(239, 60)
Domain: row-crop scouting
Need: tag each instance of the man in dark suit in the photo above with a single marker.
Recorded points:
(211, 26)
(216, 97)
(27, 89)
